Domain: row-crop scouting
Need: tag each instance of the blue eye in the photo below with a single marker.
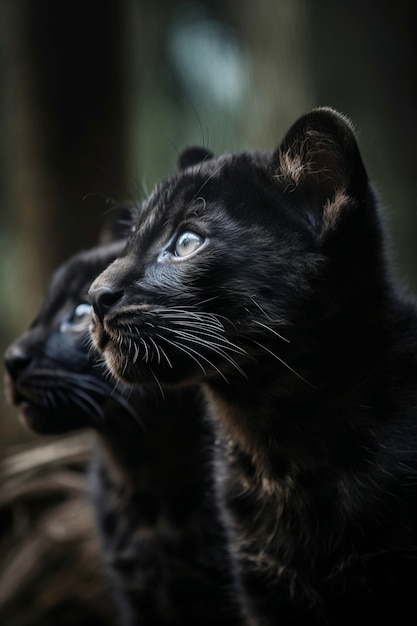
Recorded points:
(187, 243)
(78, 319)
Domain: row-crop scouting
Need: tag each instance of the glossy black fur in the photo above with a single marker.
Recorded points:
(286, 313)
(162, 541)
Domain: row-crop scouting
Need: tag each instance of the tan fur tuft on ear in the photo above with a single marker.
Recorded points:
(290, 168)
(333, 209)
(315, 157)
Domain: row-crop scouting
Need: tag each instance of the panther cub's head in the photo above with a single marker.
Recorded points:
(229, 258)
(53, 376)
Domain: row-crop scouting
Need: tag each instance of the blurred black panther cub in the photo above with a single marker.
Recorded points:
(264, 278)
(161, 538)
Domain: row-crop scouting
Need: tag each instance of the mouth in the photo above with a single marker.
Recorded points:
(27, 411)
(129, 348)
(52, 401)
(113, 333)
(99, 336)
(13, 396)
(123, 355)
(165, 345)
(29, 416)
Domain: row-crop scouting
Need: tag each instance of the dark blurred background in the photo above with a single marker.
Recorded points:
(97, 97)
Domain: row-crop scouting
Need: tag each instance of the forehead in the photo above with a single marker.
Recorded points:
(173, 198)
(185, 187)
(226, 181)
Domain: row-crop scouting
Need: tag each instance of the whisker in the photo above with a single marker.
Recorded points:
(272, 331)
(86, 403)
(136, 356)
(212, 346)
(284, 363)
(146, 350)
(189, 350)
(159, 351)
(220, 342)
(208, 179)
(186, 314)
(158, 383)
(183, 349)
(78, 393)
(67, 389)
(50, 398)
(260, 308)
(120, 398)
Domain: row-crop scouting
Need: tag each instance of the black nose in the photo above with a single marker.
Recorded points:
(102, 300)
(16, 361)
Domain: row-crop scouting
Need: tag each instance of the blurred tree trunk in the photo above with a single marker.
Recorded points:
(275, 33)
(68, 135)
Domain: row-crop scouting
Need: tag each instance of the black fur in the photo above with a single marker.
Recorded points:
(264, 278)
(162, 541)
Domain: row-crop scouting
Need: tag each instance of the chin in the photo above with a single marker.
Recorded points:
(40, 421)
(132, 372)
(124, 370)
(98, 335)
(32, 420)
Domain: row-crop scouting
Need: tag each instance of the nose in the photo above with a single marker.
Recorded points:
(102, 300)
(16, 361)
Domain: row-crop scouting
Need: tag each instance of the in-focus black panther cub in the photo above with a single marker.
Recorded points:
(161, 537)
(264, 278)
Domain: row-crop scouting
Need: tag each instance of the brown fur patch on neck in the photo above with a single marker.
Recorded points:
(333, 208)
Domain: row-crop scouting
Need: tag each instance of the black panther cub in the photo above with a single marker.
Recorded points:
(264, 278)
(161, 537)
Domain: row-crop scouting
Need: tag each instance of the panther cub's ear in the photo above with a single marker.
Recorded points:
(192, 156)
(121, 227)
(320, 156)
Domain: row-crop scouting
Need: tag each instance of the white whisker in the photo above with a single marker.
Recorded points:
(89, 401)
(183, 349)
(284, 363)
(209, 178)
(216, 348)
(158, 383)
(271, 330)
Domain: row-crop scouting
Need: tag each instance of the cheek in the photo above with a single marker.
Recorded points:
(165, 281)
(97, 335)
(123, 370)
(161, 275)
(114, 362)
